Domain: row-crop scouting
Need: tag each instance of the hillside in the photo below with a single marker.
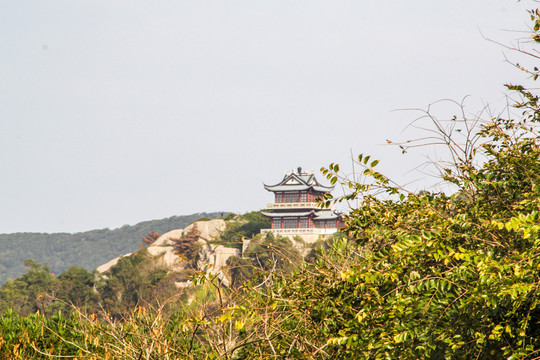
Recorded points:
(152, 275)
(86, 249)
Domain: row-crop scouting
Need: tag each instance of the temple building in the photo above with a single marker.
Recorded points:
(295, 210)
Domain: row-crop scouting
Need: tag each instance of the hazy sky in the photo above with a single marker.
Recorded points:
(116, 112)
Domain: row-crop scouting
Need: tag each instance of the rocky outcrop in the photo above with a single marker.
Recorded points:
(209, 229)
(163, 248)
(106, 267)
(212, 259)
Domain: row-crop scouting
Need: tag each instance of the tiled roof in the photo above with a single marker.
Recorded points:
(298, 182)
(279, 187)
(326, 215)
(286, 214)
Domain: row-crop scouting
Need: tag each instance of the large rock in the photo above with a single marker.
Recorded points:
(209, 229)
(212, 259)
(163, 247)
(108, 265)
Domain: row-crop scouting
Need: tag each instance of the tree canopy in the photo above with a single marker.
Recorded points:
(428, 274)
(87, 249)
(418, 274)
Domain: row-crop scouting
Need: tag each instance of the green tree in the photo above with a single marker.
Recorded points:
(240, 269)
(187, 247)
(273, 253)
(28, 293)
(243, 226)
(426, 275)
(127, 284)
(74, 287)
(265, 256)
(445, 276)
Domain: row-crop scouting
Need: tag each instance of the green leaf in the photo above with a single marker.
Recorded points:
(366, 159)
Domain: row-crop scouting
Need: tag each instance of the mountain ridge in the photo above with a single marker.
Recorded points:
(87, 249)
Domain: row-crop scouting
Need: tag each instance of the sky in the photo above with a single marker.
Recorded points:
(117, 112)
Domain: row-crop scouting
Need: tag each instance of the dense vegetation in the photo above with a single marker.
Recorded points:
(136, 280)
(245, 226)
(418, 275)
(87, 249)
(90, 315)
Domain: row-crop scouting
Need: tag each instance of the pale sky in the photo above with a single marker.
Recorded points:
(116, 112)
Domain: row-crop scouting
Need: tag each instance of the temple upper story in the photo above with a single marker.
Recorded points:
(295, 210)
(299, 182)
(297, 187)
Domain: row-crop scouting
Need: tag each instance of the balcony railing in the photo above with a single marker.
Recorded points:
(293, 205)
(301, 231)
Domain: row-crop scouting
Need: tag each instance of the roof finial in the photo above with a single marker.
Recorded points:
(299, 170)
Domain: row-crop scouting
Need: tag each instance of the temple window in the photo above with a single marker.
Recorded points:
(319, 224)
(290, 223)
(290, 197)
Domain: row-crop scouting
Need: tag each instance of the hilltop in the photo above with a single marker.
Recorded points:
(87, 249)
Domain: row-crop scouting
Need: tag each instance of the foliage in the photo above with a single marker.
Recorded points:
(295, 316)
(87, 249)
(134, 281)
(75, 287)
(273, 253)
(143, 334)
(27, 293)
(36, 335)
(137, 280)
(240, 270)
(39, 290)
(264, 255)
(229, 217)
(322, 246)
(195, 326)
(243, 226)
(432, 275)
(149, 239)
(423, 275)
(187, 245)
(429, 275)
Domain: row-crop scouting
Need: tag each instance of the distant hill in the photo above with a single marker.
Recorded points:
(86, 249)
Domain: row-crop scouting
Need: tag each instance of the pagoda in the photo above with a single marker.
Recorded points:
(295, 210)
